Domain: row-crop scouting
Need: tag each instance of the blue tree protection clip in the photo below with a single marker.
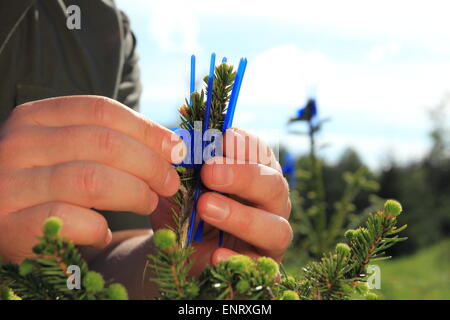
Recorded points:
(199, 233)
(227, 124)
(192, 82)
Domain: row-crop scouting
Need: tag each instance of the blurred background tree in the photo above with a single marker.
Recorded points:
(423, 187)
(323, 211)
(326, 197)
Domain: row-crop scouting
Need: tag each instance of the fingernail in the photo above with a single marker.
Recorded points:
(108, 237)
(175, 148)
(222, 175)
(216, 208)
(267, 171)
(169, 181)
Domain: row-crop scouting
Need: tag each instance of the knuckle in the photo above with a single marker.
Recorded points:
(100, 108)
(155, 172)
(148, 130)
(88, 180)
(107, 141)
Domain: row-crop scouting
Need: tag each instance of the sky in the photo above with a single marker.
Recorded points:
(374, 67)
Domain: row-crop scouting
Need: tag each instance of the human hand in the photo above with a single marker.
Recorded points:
(63, 156)
(254, 215)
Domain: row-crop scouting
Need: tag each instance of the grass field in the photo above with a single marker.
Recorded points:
(423, 275)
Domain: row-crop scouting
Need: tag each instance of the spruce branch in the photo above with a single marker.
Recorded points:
(224, 76)
(170, 265)
(45, 276)
(337, 275)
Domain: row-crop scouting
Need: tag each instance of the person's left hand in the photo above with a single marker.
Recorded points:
(254, 216)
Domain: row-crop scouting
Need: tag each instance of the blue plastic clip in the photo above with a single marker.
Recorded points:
(192, 88)
(227, 124)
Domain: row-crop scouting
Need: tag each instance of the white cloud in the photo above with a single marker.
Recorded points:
(393, 94)
(380, 52)
(418, 21)
(280, 76)
(173, 24)
(380, 109)
(157, 92)
(175, 30)
(245, 117)
(373, 94)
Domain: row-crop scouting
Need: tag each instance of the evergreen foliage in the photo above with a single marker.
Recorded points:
(223, 82)
(337, 275)
(323, 211)
(45, 277)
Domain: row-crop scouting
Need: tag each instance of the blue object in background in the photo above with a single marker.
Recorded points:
(309, 111)
(289, 169)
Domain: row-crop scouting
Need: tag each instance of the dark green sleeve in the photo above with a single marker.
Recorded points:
(130, 88)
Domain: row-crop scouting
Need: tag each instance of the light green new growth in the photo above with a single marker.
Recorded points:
(45, 277)
(393, 207)
(337, 275)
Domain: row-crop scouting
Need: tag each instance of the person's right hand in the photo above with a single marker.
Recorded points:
(63, 156)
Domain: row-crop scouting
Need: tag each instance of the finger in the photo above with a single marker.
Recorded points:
(259, 228)
(82, 183)
(47, 146)
(80, 225)
(264, 186)
(244, 147)
(100, 111)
